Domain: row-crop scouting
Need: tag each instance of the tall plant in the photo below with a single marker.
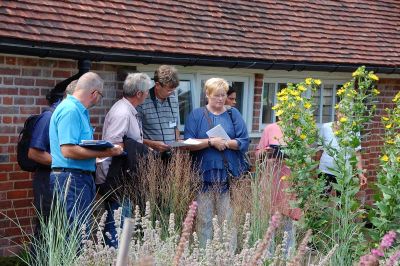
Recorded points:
(387, 212)
(356, 108)
(300, 135)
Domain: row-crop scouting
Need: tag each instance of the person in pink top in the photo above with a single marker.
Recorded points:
(268, 151)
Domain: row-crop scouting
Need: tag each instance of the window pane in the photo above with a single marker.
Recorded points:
(316, 99)
(327, 108)
(267, 102)
(184, 100)
(237, 85)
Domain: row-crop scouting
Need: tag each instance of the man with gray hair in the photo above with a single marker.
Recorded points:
(72, 165)
(122, 121)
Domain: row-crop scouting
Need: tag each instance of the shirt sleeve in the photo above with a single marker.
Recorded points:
(190, 126)
(117, 128)
(68, 134)
(264, 141)
(242, 136)
(40, 134)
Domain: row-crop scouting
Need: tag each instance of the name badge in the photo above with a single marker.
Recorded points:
(172, 124)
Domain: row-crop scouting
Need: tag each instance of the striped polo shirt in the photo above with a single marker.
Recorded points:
(159, 124)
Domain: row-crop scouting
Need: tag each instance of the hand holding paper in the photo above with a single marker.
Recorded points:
(218, 132)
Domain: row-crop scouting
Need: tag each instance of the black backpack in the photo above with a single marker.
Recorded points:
(24, 141)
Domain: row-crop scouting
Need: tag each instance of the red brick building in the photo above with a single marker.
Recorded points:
(258, 46)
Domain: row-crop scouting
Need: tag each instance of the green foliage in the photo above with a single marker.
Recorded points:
(386, 215)
(300, 135)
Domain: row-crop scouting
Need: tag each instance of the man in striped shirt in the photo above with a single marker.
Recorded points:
(159, 112)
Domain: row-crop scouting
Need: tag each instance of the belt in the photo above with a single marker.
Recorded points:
(72, 170)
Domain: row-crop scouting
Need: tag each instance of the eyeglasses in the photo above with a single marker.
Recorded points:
(221, 96)
(101, 94)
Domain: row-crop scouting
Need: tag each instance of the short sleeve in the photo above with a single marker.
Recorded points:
(116, 129)
(40, 134)
(190, 126)
(68, 134)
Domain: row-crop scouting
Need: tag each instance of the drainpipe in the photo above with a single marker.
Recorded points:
(58, 91)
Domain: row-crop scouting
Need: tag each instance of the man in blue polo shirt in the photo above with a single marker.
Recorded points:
(72, 165)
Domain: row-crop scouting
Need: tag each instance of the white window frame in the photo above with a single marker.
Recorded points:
(248, 93)
(277, 81)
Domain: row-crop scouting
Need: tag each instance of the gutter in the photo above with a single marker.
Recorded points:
(52, 50)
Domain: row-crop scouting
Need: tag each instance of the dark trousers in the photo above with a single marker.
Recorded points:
(329, 180)
(42, 195)
(42, 198)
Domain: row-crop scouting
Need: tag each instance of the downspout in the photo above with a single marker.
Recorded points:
(58, 91)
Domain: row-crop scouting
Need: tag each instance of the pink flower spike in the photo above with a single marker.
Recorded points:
(377, 252)
(387, 240)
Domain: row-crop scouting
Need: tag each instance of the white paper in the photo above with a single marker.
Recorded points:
(218, 131)
(192, 142)
(188, 142)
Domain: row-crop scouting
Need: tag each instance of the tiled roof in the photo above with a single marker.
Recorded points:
(337, 31)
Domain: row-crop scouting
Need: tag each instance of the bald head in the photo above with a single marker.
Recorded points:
(89, 82)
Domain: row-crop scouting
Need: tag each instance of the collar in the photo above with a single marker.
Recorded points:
(129, 105)
(78, 104)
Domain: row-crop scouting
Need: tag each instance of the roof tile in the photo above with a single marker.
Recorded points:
(345, 31)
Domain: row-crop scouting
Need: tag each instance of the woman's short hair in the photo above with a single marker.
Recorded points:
(167, 75)
(134, 83)
(214, 84)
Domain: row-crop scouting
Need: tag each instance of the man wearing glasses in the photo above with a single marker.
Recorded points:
(159, 112)
(72, 165)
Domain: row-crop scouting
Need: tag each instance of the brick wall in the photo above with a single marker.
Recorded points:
(24, 83)
(373, 142)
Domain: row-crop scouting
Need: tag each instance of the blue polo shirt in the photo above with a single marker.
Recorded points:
(70, 124)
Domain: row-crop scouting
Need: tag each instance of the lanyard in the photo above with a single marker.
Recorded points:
(154, 100)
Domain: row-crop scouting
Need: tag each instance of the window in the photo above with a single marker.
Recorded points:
(324, 101)
(237, 85)
(184, 94)
(268, 100)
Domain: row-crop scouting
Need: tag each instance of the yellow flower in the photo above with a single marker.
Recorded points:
(283, 98)
(301, 88)
(284, 177)
(336, 106)
(298, 98)
(317, 81)
(308, 81)
(390, 141)
(375, 91)
(388, 126)
(303, 137)
(275, 107)
(373, 76)
(343, 119)
(385, 158)
(398, 159)
(385, 118)
(357, 73)
(340, 91)
(296, 116)
(280, 112)
(294, 93)
(396, 98)
(307, 105)
(337, 132)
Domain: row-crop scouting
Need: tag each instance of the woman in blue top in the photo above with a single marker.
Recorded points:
(216, 156)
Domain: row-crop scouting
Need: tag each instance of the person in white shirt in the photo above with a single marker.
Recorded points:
(326, 162)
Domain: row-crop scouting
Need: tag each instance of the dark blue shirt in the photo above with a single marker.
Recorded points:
(210, 160)
(40, 135)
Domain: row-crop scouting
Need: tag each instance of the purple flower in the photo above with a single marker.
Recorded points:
(387, 240)
(393, 259)
(377, 252)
